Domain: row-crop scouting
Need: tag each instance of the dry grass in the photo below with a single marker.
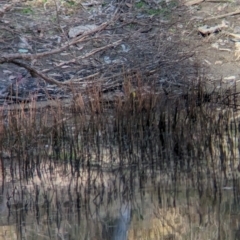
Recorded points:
(181, 125)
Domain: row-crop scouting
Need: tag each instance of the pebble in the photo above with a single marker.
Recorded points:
(215, 45)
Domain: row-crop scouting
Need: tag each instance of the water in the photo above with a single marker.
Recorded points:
(119, 205)
(136, 174)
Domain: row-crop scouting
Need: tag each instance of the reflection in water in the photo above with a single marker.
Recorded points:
(145, 176)
(122, 224)
(115, 207)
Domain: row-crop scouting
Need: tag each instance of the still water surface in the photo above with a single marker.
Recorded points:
(52, 202)
(129, 179)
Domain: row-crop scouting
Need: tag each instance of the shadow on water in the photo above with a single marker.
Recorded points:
(149, 166)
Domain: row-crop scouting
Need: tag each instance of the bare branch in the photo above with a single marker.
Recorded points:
(223, 15)
(10, 57)
(36, 73)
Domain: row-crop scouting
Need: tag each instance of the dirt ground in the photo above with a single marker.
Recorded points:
(144, 41)
(219, 51)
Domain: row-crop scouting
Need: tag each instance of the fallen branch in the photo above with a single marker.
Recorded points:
(36, 73)
(103, 48)
(50, 80)
(195, 2)
(223, 15)
(237, 36)
(10, 57)
(218, 1)
(89, 54)
(81, 80)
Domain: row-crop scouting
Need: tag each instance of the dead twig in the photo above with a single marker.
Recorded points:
(50, 80)
(223, 15)
(193, 2)
(36, 73)
(10, 57)
(81, 80)
(90, 54)
(237, 36)
(103, 48)
(218, 1)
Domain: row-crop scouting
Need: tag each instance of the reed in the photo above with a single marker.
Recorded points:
(182, 126)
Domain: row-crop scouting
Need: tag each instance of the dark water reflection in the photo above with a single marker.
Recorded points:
(123, 204)
(169, 178)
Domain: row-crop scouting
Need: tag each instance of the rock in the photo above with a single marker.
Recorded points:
(215, 45)
(230, 78)
(206, 30)
(5, 155)
(75, 31)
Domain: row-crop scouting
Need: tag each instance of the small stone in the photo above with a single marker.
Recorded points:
(215, 45)
(107, 59)
(75, 31)
(21, 50)
(125, 48)
(218, 62)
(179, 25)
